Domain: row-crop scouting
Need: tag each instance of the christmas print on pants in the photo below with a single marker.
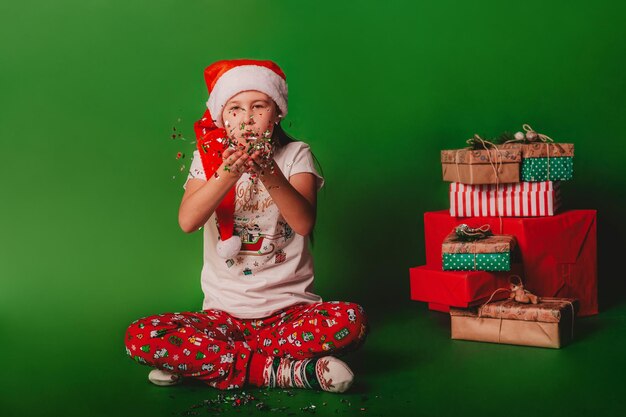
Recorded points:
(215, 347)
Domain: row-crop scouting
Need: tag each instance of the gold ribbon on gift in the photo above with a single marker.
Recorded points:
(511, 296)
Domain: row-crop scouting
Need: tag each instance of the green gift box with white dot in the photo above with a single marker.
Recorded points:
(547, 161)
(492, 253)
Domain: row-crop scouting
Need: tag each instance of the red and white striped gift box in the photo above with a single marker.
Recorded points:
(523, 199)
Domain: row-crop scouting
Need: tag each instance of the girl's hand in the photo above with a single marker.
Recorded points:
(260, 164)
(254, 163)
(235, 163)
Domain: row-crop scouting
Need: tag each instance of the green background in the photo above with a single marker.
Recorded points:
(90, 91)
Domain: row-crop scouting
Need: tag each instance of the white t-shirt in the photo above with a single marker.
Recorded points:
(274, 268)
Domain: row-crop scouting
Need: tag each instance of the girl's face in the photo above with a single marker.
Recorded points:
(249, 115)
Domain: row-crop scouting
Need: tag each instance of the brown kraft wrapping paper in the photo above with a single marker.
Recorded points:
(481, 173)
(469, 166)
(506, 154)
(490, 244)
(547, 149)
(514, 325)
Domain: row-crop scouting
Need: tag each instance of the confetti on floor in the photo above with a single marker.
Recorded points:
(268, 401)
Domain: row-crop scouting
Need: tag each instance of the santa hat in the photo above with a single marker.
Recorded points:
(225, 79)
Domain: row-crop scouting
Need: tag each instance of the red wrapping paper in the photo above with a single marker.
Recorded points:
(443, 289)
(559, 253)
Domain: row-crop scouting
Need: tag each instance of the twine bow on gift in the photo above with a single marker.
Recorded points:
(472, 142)
(518, 293)
(532, 136)
(467, 234)
(464, 233)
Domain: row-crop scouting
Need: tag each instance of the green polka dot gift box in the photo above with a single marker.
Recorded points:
(492, 253)
(547, 161)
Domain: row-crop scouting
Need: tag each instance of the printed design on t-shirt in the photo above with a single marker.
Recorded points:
(256, 243)
(287, 232)
(252, 198)
(265, 235)
(253, 242)
(280, 256)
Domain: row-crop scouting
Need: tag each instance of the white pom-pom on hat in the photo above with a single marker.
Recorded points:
(229, 248)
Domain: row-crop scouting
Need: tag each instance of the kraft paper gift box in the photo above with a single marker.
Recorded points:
(558, 253)
(469, 166)
(547, 161)
(525, 199)
(442, 289)
(492, 253)
(549, 323)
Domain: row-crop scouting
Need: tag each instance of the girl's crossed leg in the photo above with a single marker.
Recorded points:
(220, 349)
(206, 345)
(307, 331)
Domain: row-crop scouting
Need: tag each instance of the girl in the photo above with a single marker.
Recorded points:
(261, 324)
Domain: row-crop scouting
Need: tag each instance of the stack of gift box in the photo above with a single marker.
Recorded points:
(504, 223)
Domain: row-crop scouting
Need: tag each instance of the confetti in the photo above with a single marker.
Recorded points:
(266, 400)
(234, 400)
(177, 134)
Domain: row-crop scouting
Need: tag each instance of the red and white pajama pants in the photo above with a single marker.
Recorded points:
(223, 350)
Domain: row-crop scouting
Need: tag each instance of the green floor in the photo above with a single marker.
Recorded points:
(409, 366)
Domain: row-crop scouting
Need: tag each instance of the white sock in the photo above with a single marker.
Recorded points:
(163, 378)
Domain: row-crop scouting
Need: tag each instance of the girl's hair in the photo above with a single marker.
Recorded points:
(283, 138)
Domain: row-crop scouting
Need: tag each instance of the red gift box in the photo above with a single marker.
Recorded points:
(559, 253)
(443, 289)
